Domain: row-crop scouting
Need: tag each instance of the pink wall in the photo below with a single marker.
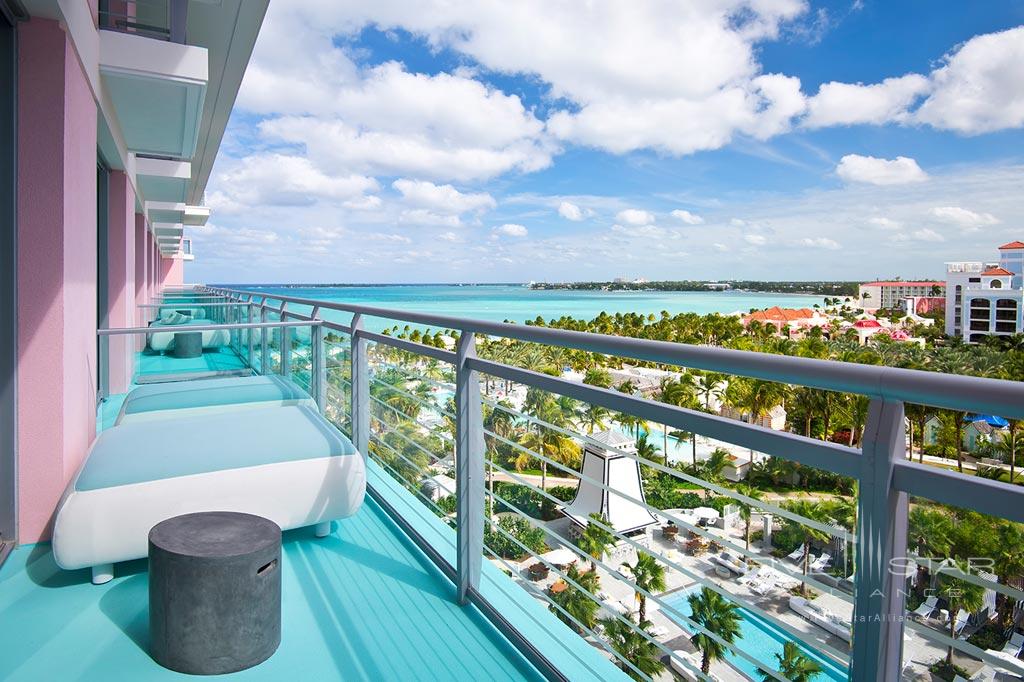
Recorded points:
(121, 278)
(172, 271)
(56, 271)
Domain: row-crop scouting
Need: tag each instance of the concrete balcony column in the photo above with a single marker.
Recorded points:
(141, 274)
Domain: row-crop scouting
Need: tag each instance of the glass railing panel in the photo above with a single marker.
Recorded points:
(720, 523)
(338, 360)
(964, 574)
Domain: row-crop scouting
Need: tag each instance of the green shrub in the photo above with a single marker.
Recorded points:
(990, 636)
(447, 504)
(519, 528)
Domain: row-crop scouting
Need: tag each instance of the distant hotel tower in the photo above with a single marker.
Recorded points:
(983, 299)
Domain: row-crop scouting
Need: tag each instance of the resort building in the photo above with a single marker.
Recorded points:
(796, 320)
(337, 492)
(890, 294)
(985, 299)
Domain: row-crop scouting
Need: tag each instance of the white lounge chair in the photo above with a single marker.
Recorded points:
(821, 563)
(658, 631)
(961, 622)
(1015, 645)
(927, 607)
(797, 554)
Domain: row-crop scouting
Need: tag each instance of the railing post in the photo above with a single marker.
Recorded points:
(250, 342)
(103, 367)
(286, 345)
(264, 338)
(360, 386)
(469, 469)
(318, 362)
(879, 597)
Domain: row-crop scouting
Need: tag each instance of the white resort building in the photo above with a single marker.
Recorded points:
(891, 294)
(986, 298)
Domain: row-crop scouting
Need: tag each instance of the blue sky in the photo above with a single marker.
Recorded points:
(478, 141)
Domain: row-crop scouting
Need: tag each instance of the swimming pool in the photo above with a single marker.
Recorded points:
(760, 639)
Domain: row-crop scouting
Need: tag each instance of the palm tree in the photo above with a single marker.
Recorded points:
(714, 613)
(593, 417)
(708, 386)
(960, 594)
(678, 392)
(1009, 562)
(649, 575)
(1008, 444)
(643, 655)
(579, 607)
(711, 469)
(595, 540)
(810, 510)
(747, 509)
(645, 449)
(794, 665)
(931, 531)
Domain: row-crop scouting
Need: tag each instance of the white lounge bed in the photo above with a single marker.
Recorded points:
(187, 398)
(730, 561)
(287, 464)
(820, 617)
(686, 673)
(1015, 645)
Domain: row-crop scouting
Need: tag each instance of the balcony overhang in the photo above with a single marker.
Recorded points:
(163, 179)
(158, 89)
(175, 230)
(196, 216)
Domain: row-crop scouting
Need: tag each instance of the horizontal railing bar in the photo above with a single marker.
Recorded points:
(184, 304)
(995, 498)
(675, 473)
(972, 394)
(177, 328)
(832, 457)
(963, 646)
(411, 346)
(951, 570)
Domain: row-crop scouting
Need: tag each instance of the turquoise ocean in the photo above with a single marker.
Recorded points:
(517, 303)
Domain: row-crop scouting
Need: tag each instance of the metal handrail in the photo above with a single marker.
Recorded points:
(949, 391)
(119, 331)
(880, 467)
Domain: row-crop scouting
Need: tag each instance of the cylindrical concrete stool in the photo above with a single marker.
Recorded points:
(214, 592)
(188, 344)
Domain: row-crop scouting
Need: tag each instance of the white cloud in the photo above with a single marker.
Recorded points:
(687, 217)
(885, 223)
(367, 203)
(570, 211)
(646, 231)
(441, 198)
(448, 237)
(849, 104)
(980, 88)
(819, 243)
(961, 217)
(635, 216)
(283, 180)
(875, 171)
(721, 248)
(737, 222)
(422, 216)
(927, 235)
(755, 239)
(512, 230)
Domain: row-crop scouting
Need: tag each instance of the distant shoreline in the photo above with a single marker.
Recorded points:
(801, 288)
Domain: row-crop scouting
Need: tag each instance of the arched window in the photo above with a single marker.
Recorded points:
(996, 284)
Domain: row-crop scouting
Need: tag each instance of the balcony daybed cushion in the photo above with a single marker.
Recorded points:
(185, 398)
(287, 464)
(163, 340)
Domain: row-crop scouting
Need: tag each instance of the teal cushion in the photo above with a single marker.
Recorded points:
(211, 393)
(157, 450)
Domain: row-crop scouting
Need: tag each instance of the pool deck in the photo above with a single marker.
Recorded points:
(362, 604)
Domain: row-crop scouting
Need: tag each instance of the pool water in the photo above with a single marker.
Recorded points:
(760, 639)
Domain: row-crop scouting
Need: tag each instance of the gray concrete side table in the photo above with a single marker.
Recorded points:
(188, 344)
(214, 592)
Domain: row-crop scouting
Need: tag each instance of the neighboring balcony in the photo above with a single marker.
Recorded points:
(156, 82)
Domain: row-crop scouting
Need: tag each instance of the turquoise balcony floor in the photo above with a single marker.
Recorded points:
(361, 604)
(212, 360)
